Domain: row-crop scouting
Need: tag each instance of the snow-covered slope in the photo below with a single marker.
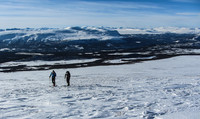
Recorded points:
(159, 89)
(159, 30)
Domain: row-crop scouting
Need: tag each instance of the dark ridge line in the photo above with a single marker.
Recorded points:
(89, 64)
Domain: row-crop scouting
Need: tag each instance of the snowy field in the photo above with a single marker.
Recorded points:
(161, 89)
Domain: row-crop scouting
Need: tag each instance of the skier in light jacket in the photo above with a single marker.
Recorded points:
(53, 76)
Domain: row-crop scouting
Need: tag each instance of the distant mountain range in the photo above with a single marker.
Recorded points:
(108, 45)
(91, 38)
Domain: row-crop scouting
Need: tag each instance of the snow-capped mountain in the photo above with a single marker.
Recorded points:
(50, 34)
(159, 30)
(46, 38)
(96, 42)
(94, 38)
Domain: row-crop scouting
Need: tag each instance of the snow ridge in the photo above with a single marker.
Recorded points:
(159, 30)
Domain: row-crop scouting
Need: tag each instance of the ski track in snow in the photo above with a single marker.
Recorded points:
(152, 89)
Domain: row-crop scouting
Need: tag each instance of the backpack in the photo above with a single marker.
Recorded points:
(54, 74)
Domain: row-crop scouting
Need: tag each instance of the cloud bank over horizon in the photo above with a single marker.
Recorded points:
(113, 13)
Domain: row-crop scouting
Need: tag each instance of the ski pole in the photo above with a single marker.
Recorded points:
(49, 81)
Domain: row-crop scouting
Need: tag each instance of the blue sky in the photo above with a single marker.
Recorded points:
(113, 13)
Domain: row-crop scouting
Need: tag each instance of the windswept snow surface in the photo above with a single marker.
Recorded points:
(167, 88)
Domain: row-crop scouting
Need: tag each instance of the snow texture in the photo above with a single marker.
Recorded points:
(161, 89)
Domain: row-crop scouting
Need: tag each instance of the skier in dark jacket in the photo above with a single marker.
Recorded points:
(53, 75)
(67, 77)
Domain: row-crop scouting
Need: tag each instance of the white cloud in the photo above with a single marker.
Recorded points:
(131, 5)
(23, 13)
(189, 14)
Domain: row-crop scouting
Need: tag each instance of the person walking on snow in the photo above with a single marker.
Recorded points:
(67, 77)
(53, 76)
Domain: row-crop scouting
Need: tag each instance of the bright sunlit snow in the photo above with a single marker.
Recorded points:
(168, 88)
